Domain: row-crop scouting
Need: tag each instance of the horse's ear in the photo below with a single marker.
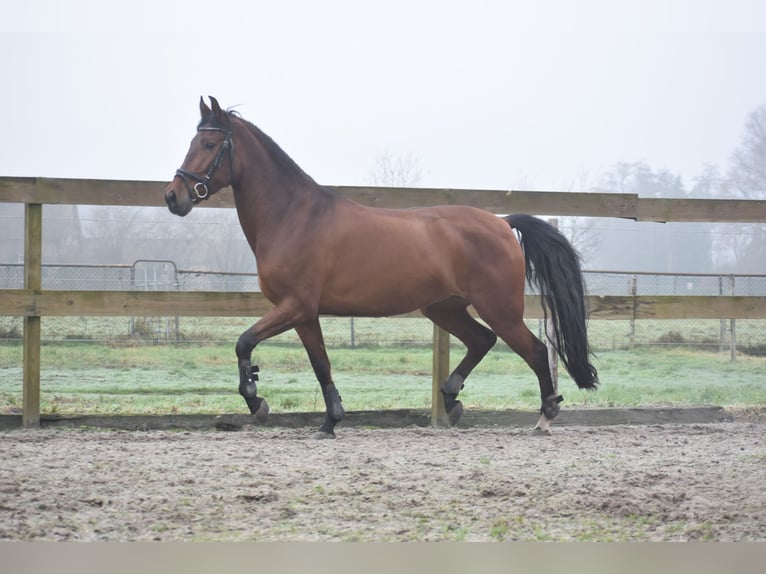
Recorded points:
(218, 113)
(203, 109)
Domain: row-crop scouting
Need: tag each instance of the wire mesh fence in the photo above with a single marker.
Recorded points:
(161, 275)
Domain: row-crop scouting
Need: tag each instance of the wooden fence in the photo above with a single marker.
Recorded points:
(32, 302)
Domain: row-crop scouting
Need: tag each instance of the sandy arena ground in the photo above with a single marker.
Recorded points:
(662, 482)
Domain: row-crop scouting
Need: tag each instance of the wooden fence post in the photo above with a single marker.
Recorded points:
(33, 241)
(440, 373)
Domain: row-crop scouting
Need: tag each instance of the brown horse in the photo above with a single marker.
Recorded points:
(320, 253)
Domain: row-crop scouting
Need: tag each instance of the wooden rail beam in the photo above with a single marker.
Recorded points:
(53, 303)
(624, 205)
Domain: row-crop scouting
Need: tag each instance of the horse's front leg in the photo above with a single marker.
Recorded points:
(248, 376)
(281, 318)
(312, 339)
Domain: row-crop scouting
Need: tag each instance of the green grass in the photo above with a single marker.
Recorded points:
(153, 379)
(603, 335)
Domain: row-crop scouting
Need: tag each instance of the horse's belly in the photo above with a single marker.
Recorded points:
(378, 297)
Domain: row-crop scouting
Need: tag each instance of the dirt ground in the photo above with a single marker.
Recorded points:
(661, 482)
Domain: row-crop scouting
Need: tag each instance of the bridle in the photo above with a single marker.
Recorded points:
(199, 190)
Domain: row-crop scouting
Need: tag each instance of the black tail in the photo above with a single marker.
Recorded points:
(553, 266)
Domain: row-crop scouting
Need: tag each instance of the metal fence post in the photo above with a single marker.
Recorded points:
(633, 294)
(722, 324)
(733, 324)
(33, 244)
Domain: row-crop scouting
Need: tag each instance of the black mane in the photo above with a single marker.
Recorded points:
(283, 161)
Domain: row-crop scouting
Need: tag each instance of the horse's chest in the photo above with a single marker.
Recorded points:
(281, 281)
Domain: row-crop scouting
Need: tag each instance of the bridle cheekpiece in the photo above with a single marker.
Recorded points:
(199, 190)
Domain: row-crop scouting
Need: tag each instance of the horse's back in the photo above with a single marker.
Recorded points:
(388, 261)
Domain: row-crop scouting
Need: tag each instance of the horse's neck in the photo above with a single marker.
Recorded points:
(266, 195)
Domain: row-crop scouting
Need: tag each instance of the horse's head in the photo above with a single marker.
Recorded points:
(200, 177)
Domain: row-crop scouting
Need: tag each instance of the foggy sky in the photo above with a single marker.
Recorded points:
(498, 95)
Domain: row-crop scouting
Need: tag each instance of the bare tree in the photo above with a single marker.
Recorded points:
(582, 232)
(747, 176)
(224, 247)
(644, 246)
(396, 170)
(115, 234)
(745, 250)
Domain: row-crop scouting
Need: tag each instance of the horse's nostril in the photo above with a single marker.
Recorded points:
(170, 198)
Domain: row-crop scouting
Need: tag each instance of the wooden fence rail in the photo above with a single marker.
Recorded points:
(54, 303)
(32, 302)
(623, 205)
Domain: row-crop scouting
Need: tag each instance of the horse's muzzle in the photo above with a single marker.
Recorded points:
(178, 206)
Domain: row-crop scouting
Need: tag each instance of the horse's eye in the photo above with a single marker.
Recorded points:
(209, 145)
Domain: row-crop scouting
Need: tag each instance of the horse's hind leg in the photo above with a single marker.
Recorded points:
(453, 317)
(521, 340)
(312, 339)
(508, 322)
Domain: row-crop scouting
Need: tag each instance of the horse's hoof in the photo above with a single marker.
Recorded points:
(455, 414)
(322, 435)
(262, 414)
(537, 431)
